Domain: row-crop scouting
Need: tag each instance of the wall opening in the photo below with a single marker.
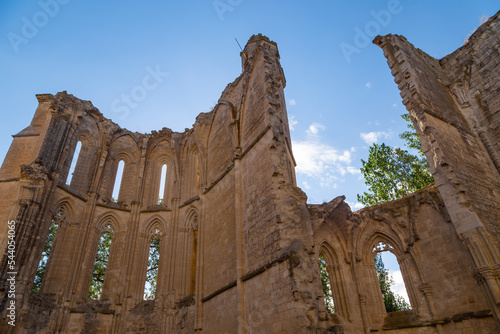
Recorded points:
(100, 263)
(197, 185)
(392, 286)
(47, 250)
(163, 181)
(118, 181)
(153, 264)
(74, 161)
(326, 284)
(194, 252)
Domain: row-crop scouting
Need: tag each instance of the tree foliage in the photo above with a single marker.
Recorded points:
(100, 264)
(411, 137)
(391, 173)
(327, 289)
(393, 302)
(44, 259)
(152, 271)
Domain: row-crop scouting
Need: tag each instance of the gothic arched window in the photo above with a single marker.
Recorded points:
(101, 262)
(392, 286)
(57, 219)
(153, 264)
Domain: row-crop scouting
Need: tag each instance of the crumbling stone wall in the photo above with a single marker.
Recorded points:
(436, 267)
(236, 248)
(454, 105)
(239, 245)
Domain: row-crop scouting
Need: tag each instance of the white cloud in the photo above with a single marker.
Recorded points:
(292, 122)
(394, 105)
(373, 137)
(353, 170)
(314, 128)
(320, 161)
(368, 85)
(306, 185)
(355, 206)
(291, 102)
(399, 285)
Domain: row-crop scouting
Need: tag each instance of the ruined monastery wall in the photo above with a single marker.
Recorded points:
(240, 247)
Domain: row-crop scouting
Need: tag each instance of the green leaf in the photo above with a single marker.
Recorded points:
(392, 173)
(393, 302)
(326, 283)
(44, 259)
(152, 270)
(100, 264)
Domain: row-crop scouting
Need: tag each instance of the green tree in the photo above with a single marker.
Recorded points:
(100, 264)
(152, 270)
(391, 173)
(393, 302)
(42, 265)
(327, 289)
(411, 137)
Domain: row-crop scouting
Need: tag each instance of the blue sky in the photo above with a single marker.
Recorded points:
(337, 104)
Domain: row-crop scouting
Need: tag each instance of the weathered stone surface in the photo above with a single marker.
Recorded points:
(454, 105)
(240, 246)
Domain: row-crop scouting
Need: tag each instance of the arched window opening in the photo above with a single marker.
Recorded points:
(163, 180)
(153, 263)
(101, 262)
(197, 185)
(194, 252)
(390, 279)
(118, 181)
(47, 250)
(76, 155)
(326, 284)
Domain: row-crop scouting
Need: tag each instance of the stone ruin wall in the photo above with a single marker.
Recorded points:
(237, 240)
(454, 104)
(437, 269)
(239, 243)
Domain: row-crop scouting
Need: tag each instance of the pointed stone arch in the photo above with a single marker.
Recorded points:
(191, 171)
(45, 276)
(105, 248)
(108, 218)
(154, 245)
(63, 210)
(378, 240)
(122, 148)
(159, 154)
(334, 267)
(191, 226)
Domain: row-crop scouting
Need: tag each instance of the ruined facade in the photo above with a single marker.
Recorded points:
(239, 245)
